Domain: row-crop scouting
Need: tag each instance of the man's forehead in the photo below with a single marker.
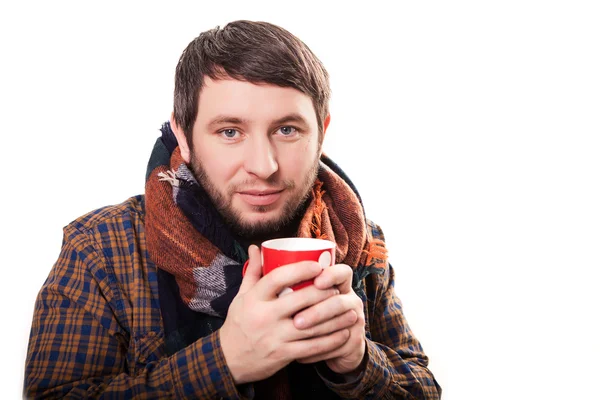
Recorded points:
(228, 99)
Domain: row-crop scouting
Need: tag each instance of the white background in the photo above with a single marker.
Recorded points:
(471, 129)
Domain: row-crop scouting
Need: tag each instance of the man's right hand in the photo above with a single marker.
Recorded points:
(258, 337)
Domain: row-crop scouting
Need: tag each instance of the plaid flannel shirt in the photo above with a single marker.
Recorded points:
(97, 330)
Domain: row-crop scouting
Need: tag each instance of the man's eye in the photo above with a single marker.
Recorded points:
(287, 130)
(229, 133)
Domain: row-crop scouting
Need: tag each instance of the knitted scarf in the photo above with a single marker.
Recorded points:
(188, 238)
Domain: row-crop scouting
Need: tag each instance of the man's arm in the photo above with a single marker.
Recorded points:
(79, 342)
(388, 364)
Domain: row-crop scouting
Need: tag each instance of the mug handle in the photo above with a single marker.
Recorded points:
(244, 269)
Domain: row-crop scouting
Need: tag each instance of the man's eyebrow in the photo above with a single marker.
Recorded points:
(294, 117)
(227, 119)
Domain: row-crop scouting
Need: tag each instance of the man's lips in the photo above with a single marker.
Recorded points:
(260, 197)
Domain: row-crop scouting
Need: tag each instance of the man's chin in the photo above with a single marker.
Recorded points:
(259, 222)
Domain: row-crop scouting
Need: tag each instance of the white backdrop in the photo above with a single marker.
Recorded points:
(470, 128)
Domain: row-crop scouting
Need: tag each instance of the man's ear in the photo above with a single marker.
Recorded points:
(325, 125)
(181, 139)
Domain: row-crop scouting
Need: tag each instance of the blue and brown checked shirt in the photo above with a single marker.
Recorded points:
(97, 329)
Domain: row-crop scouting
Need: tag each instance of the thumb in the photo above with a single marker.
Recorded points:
(252, 270)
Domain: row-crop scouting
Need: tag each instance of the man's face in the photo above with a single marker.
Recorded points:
(255, 151)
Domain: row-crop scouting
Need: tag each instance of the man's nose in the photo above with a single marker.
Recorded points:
(261, 157)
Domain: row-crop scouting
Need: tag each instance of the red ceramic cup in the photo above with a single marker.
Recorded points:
(278, 252)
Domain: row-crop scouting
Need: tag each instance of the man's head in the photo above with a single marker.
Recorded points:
(257, 52)
(250, 113)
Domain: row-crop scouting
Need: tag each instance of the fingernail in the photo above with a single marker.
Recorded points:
(300, 322)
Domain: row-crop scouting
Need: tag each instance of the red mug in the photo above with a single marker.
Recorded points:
(278, 252)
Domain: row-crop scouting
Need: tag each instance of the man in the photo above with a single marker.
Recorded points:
(147, 298)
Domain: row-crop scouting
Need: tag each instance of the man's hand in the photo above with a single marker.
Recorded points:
(347, 305)
(258, 337)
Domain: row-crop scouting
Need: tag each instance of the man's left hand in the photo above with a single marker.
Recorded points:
(347, 358)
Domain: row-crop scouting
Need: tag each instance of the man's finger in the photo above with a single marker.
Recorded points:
(343, 321)
(339, 275)
(325, 344)
(325, 310)
(323, 356)
(253, 270)
(287, 276)
(292, 303)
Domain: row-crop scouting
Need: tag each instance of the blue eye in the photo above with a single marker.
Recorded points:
(229, 133)
(287, 130)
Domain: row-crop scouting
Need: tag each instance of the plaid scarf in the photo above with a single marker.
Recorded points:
(188, 238)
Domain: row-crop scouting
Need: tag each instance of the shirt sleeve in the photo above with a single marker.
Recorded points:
(79, 345)
(396, 365)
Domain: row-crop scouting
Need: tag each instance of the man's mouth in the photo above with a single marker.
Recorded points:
(258, 197)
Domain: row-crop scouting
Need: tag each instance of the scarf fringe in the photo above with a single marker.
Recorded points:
(320, 206)
(376, 251)
(169, 176)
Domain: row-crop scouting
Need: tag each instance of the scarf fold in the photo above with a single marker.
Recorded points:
(188, 238)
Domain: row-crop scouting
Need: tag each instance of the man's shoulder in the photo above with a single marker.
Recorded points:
(123, 216)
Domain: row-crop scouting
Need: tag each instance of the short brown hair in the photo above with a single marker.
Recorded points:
(257, 52)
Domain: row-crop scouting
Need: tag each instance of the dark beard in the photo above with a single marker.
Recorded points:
(266, 230)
